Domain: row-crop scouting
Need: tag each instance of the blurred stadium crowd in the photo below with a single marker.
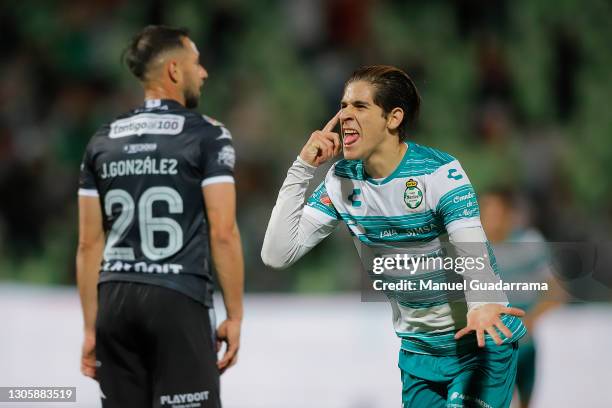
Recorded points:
(519, 91)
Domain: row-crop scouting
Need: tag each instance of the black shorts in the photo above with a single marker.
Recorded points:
(154, 348)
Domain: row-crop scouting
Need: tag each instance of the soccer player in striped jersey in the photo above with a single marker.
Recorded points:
(400, 198)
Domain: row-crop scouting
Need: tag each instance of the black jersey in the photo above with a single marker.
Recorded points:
(148, 168)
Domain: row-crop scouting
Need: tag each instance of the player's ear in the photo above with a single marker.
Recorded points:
(394, 118)
(174, 71)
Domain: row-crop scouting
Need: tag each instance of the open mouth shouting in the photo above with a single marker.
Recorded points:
(350, 136)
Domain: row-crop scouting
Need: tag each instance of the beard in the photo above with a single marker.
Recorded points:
(191, 99)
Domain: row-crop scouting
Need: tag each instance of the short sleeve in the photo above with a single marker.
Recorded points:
(218, 157)
(87, 176)
(320, 206)
(454, 198)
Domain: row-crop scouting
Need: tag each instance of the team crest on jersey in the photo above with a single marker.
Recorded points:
(413, 195)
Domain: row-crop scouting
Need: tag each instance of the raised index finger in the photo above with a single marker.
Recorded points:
(332, 123)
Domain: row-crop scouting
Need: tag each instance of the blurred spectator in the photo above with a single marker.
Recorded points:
(522, 255)
(477, 16)
(565, 69)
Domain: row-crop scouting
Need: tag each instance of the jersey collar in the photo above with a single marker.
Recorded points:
(157, 103)
(395, 172)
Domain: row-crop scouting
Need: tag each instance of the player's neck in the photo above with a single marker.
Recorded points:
(158, 91)
(385, 159)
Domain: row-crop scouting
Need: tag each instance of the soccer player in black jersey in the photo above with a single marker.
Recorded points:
(156, 213)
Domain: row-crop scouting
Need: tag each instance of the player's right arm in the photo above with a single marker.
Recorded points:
(292, 232)
(88, 259)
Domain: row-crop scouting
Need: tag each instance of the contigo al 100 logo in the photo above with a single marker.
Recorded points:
(147, 123)
(413, 196)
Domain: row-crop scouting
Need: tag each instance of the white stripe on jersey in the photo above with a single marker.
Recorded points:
(217, 180)
(88, 192)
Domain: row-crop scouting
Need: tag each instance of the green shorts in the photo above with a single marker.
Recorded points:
(483, 378)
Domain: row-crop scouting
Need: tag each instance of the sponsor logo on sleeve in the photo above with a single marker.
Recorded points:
(320, 197)
(227, 156)
(325, 200)
(454, 174)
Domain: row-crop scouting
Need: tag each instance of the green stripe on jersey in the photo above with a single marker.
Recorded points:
(373, 220)
(423, 160)
(492, 258)
(323, 208)
(419, 152)
(352, 169)
(418, 161)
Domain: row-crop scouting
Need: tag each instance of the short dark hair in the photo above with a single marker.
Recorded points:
(149, 43)
(393, 89)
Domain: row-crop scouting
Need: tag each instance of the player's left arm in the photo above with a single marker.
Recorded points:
(219, 192)
(88, 259)
(457, 205)
(226, 250)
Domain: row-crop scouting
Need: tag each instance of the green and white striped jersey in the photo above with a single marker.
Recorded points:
(412, 211)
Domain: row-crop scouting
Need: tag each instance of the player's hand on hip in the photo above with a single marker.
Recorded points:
(88, 355)
(228, 333)
(486, 318)
(323, 144)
